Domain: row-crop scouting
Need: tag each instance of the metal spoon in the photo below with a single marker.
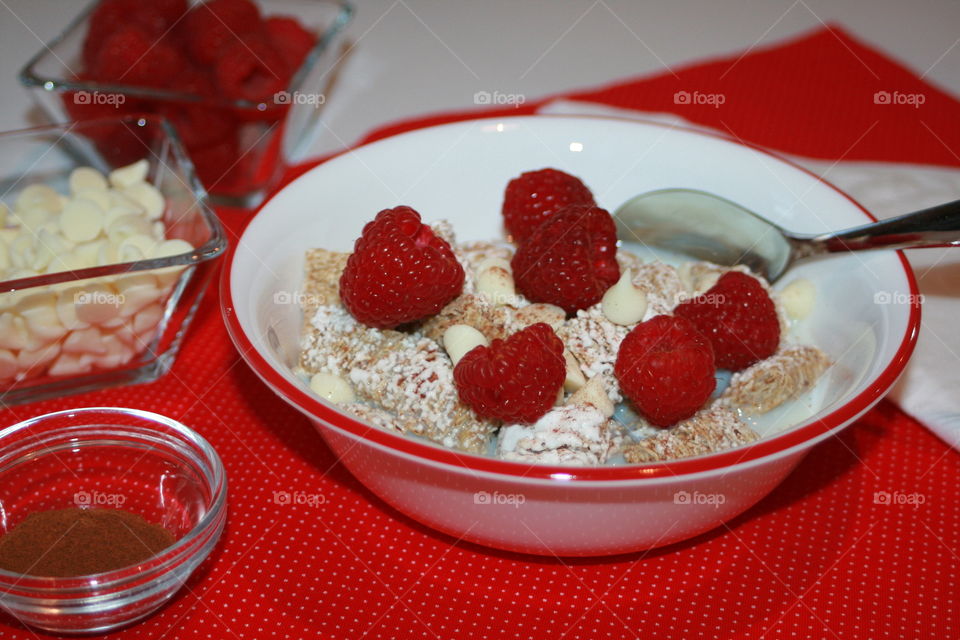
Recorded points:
(712, 228)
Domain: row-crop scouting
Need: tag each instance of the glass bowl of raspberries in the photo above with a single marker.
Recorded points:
(496, 356)
(243, 84)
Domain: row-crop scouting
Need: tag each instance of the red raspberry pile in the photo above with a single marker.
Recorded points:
(219, 49)
(570, 259)
(667, 364)
(400, 272)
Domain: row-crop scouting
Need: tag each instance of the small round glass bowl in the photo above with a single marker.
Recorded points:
(107, 457)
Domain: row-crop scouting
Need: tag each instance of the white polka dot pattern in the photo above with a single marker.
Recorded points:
(840, 549)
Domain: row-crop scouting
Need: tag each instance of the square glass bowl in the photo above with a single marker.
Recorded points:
(75, 327)
(268, 135)
(109, 458)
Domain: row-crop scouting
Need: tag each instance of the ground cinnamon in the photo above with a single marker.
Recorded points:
(77, 542)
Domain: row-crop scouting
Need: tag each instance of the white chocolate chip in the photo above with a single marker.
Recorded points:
(148, 197)
(32, 218)
(145, 322)
(127, 225)
(136, 291)
(32, 361)
(13, 331)
(129, 175)
(83, 178)
(88, 340)
(136, 247)
(22, 251)
(173, 247)
(101, 198)
(107, 253)
(96, 303)
(67, 309)
(459, 339)
(71, 364)
(39, 313)
(333, 388)
(82, 220)
(38, 195)
(623, 303)
(495, 281)
(8, 364)
(574, 379)
(115, 353)
(798, 298)
(4, 257)
(593, 394)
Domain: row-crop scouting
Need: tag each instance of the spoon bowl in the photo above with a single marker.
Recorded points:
(708, 227)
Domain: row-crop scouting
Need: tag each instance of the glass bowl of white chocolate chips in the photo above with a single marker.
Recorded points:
(102, 263)
(588, 477)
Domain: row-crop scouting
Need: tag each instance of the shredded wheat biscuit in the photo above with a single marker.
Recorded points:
(712, 429)
(771, 382)
(406, 374)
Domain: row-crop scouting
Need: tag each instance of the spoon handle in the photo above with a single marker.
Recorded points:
(937, 226)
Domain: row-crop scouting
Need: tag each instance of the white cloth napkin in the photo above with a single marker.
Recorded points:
(929, 389)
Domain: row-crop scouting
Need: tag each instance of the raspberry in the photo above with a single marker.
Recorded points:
(291, 40)
(666, 367)
(251, 70)
(152, 18)
(198, 125)
(534, 196)
(515, 380)
(217, 163)
(130, 56)
(570, 260)
(738, 317)
(212, 26)
(399, 271)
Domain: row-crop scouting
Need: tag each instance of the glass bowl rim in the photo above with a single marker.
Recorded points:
(214, 247)
(169, 558)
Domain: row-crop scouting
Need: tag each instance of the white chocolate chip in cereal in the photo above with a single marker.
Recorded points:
(129, 175)
(83, 178)
(798, 298)
(495, 281)
(459, 339)
(593, 393)
(623, 303)
(574, 379)
(333, 388)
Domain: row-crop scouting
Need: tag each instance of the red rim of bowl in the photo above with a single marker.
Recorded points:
(435, 453)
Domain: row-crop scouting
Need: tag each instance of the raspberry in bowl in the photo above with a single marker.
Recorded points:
(438, 452)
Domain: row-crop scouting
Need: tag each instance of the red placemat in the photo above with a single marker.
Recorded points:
(861, 541)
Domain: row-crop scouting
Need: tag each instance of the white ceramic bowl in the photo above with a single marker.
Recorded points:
(866, 318)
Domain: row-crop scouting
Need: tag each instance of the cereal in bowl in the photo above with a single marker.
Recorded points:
(566, 350)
